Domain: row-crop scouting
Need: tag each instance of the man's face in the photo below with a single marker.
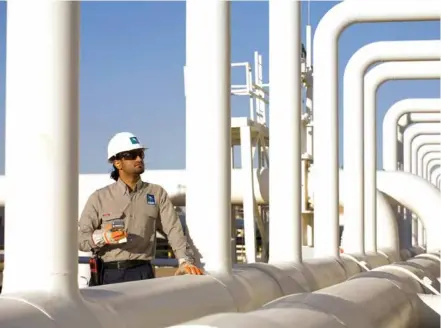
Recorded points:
(131, 162)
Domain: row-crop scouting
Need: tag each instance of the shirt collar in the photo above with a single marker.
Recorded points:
(125, 189)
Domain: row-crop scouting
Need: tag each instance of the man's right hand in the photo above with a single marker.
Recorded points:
(109, 236)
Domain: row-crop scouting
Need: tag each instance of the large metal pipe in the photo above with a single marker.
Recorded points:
(285, 125)
(326, 212)
(405, 121)
(424, 155)
(410, 134)
(387, 229)
(418, 150)
(373, 80)
(435, 169)
(402, 113)
(417, 117)
(432, 301)
(435, 173)
(42, 114)
(386, 297)
(413, 106)
(209, 171)
(355, 117)
(419, 147)
(414, 117)
(431, 166)
(429, 160)
(420, 196)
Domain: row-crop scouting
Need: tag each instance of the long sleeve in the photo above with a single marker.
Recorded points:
(88, 223)
(172, 227)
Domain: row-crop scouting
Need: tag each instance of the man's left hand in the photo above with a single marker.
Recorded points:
(188, 268)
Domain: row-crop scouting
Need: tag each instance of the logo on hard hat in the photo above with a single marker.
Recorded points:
(134, 140)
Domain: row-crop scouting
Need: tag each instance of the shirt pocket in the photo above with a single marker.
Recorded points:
(107, 218)
(145, 220)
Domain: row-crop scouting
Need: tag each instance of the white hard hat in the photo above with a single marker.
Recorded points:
(121, 142)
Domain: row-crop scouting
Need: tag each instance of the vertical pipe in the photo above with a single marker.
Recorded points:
(409, 135)
(326, 190)
(309, 126)
(431, 162)
(354, 157)
(249, 204)
(285, 125)
(256, 82)
(262, 116)
(419, 146)
(308, 46)
(377, 76)
(415, 109)
(430, 154)
(325, 141)
(435, 173)
(233, 235)
(208, 140)
(370, 163)
(42, 121)
(353, 240)
(232, 157)
(419, 149)
(249, 83)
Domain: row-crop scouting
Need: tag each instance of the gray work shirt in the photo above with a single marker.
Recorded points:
(144, 210)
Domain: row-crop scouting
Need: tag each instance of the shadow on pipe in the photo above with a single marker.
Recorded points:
(381, 298)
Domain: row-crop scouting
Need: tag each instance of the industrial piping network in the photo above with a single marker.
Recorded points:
(410, 136)
(377, 76)
(430, 160)
(436, 176)
(357, 120)
(403, 113)
(420, 146)
(353, 290)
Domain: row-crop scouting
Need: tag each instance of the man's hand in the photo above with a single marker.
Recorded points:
(109, 236)
(188, 268)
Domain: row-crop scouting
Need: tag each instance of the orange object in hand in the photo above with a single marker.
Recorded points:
(114, 233)
(188, 268)
(111, 233)
(112, 237)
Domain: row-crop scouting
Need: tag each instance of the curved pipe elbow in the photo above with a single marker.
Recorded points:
(392, 118)
(418, 195)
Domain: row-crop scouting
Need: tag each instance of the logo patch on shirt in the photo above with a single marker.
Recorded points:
(134, 140)
(151, 199)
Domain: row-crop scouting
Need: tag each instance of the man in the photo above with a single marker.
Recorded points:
(119, 222)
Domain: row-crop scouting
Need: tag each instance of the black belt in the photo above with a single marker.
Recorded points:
(124, 264)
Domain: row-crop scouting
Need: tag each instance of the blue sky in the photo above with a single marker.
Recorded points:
(132, 58)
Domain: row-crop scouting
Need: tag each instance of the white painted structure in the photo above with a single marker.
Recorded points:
(412, 111)
(419, 150)
(430, 160)
(360, 122)
(403, 113)
(352, 290)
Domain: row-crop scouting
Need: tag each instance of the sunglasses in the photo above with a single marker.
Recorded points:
(130, 155)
